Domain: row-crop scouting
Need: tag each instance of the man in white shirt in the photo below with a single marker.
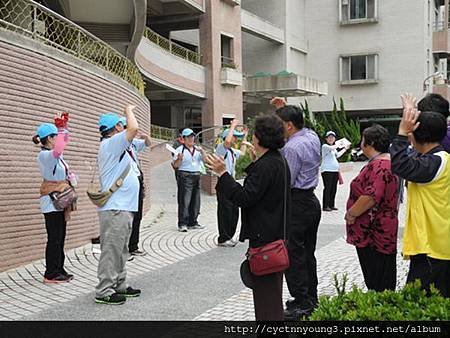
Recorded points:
(227, 212)
(116, 216)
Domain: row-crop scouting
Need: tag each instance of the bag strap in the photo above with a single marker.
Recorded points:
(124, 174)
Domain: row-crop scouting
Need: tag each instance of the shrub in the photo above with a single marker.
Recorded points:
(410, 303)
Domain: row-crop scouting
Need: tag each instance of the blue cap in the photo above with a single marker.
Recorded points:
(187, 132)
(123, 120)
(46, 129)
(330, 133)
(108, 121)
(235, 133)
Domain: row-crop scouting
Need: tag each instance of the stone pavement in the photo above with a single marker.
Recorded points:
(184, 276)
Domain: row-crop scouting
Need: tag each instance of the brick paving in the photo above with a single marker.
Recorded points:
(22, 292)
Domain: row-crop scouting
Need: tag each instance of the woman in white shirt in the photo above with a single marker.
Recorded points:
(330, 170)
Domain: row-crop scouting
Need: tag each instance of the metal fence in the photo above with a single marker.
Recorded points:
(163, 133)
(37, 22)
(172, 47)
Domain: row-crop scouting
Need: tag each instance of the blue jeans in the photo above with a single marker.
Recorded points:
(188, 198)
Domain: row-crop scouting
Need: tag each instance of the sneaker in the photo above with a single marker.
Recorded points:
(334, 208)
(130, 292)
(114, 299)
(68, 275)
(182, 228)
(138, 253)
(227, 244)
(327, 209)
(58, 279)
(197, 227)
(130, 258)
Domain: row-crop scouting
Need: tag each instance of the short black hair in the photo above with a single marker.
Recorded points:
(269, 130)
(378, 137)
(432, 128)
(434, 102)
(292, 114)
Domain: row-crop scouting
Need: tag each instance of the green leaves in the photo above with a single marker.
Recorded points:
(409, 303)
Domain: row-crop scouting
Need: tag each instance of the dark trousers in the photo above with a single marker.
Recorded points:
(430, 271)
(268, 297)
(134, 237)
(330, 181)
(301, 276)
(379, 270)
(188, 198)
(227, 218)
(54, 251)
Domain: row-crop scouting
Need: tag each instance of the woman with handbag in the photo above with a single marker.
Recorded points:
(57, 194)
(264, 201)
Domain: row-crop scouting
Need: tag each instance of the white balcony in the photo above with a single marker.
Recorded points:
(259, 27)
(230, 77)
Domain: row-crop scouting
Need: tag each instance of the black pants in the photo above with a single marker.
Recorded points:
(134, 237)
(430, 271)
(301, 276)
(54, 251)
(267, 297)
(188, 198)
(379, 270)
(227, 218)
(330, 181)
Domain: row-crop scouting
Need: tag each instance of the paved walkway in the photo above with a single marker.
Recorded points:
(185, 276)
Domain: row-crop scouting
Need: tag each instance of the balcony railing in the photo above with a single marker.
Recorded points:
(163, 133)
(228, 62)
(439, 26)
(37, 22)
(172, 47)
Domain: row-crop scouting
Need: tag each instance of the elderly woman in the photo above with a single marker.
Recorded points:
(262, 199)
(372, 211)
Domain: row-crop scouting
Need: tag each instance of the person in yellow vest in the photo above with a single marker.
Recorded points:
(426, 239)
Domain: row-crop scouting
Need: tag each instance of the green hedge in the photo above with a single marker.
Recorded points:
(410, 303)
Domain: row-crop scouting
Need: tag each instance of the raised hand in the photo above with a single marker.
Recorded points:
(215, 164)
(61, 120)
(409, 122)
(278, 102)
(408, 101)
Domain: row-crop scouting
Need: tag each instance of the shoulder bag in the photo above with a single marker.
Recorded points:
(271, 257)
(68, 197)
(99, 198)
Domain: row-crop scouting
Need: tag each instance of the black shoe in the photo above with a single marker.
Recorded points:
(297, 313)
(334, 208)
(57, 279)
(68, 275)
(114, 299)
(130, 292)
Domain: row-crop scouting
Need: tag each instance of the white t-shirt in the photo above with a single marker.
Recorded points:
(230, 155)
(111, 167)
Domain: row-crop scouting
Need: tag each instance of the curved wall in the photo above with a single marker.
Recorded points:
(36, 83)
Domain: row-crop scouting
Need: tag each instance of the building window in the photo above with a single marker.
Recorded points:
(358, 68)
(226, 48)
(357, 10)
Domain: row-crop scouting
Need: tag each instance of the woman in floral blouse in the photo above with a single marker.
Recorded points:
(372, 212)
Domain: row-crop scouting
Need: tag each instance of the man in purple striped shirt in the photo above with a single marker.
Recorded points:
(302, 152)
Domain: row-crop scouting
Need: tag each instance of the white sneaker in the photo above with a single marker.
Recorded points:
(182, 228)
(227, 244)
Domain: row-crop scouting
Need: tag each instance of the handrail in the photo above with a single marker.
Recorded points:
(173, 47)
(37, 22)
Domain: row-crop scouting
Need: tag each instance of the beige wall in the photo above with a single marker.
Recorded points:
(220, 17)
(33, 87)
(401, 41)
